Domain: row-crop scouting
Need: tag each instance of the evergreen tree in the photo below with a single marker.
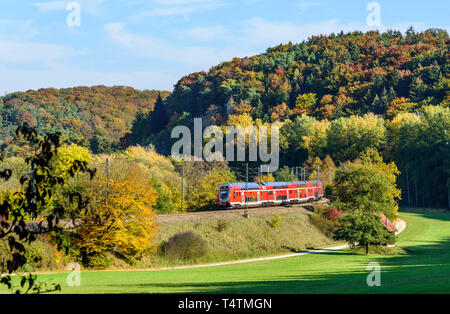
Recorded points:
(137, 128)
(158, 117)
(391, 95)
(258, 112)
(377, 105)
(417, 89)
(354, 51)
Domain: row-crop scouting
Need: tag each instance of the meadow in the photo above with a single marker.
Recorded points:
(419, 264)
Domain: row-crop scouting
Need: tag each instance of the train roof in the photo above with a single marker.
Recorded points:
(253, 185)
(288, 182)
(242, 185)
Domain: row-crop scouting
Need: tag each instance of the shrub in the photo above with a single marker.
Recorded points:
(333, 213)
(221, 225)
(321, 209)
(96, 261)
(276, 221)
(184, 246)
(329, 189)
(40, 254)
(320, 219)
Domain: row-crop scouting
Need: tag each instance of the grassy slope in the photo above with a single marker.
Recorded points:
(423, 268)
(245, 238)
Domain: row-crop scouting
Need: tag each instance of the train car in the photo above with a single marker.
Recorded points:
(238, 195)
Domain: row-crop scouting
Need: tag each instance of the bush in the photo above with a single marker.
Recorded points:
(41, 255)
(333, 213)
(329, 189)
(221, 225)
(96, 261)
(276, 221)
(320, 219)
(184, 246)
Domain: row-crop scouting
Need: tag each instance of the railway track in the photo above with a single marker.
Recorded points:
(36, 226)
(238, 213)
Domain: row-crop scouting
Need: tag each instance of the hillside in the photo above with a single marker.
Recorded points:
(332, 96)
(325, 76)
(96, 117)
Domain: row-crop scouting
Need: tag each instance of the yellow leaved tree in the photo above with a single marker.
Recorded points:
(203, 194)
(124, 223)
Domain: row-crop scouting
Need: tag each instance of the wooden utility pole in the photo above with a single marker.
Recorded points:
(107, 179)
(246, 191)
(182, 188)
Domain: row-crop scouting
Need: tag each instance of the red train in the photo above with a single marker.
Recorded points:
(237, 195)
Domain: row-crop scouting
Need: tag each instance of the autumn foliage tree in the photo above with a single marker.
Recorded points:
(368, 184)
(124, 223)
(203, 189)
(30, 201)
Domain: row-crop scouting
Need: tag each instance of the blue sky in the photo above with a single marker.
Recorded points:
(150, 44)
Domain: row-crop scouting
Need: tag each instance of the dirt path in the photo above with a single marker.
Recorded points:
(238, 213)
(400, 225)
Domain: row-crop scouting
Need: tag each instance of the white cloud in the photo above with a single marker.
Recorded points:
(38, 53)
(303, 6)
(179, 7)
(258, 31)
(89, 6)
(50, 6)
(206, 33)
(200, 57)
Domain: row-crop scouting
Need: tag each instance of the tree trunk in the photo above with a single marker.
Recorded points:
(417, 198)
(448, 192)
(367, 248)
(407, 187)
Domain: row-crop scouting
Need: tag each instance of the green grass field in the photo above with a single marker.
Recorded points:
(422, 267)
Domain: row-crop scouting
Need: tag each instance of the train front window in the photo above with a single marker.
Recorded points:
(224, 193)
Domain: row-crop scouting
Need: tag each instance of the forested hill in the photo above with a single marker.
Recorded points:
(326, 77)
(95, 117)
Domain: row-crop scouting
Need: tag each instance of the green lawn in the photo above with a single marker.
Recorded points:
(424, 267)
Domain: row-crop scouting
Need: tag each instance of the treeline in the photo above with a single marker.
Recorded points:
(418, 143)
(95, 117)
(325, 76)
(121, 200)
(333, 96)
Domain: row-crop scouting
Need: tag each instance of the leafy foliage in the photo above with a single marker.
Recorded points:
(95, 117)
(184, 246)
(364, 228)
(124, 224)
(325, 76)
(276, 221)
(203, 184)
(369, 185)
(29, 202)
(322, 221)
